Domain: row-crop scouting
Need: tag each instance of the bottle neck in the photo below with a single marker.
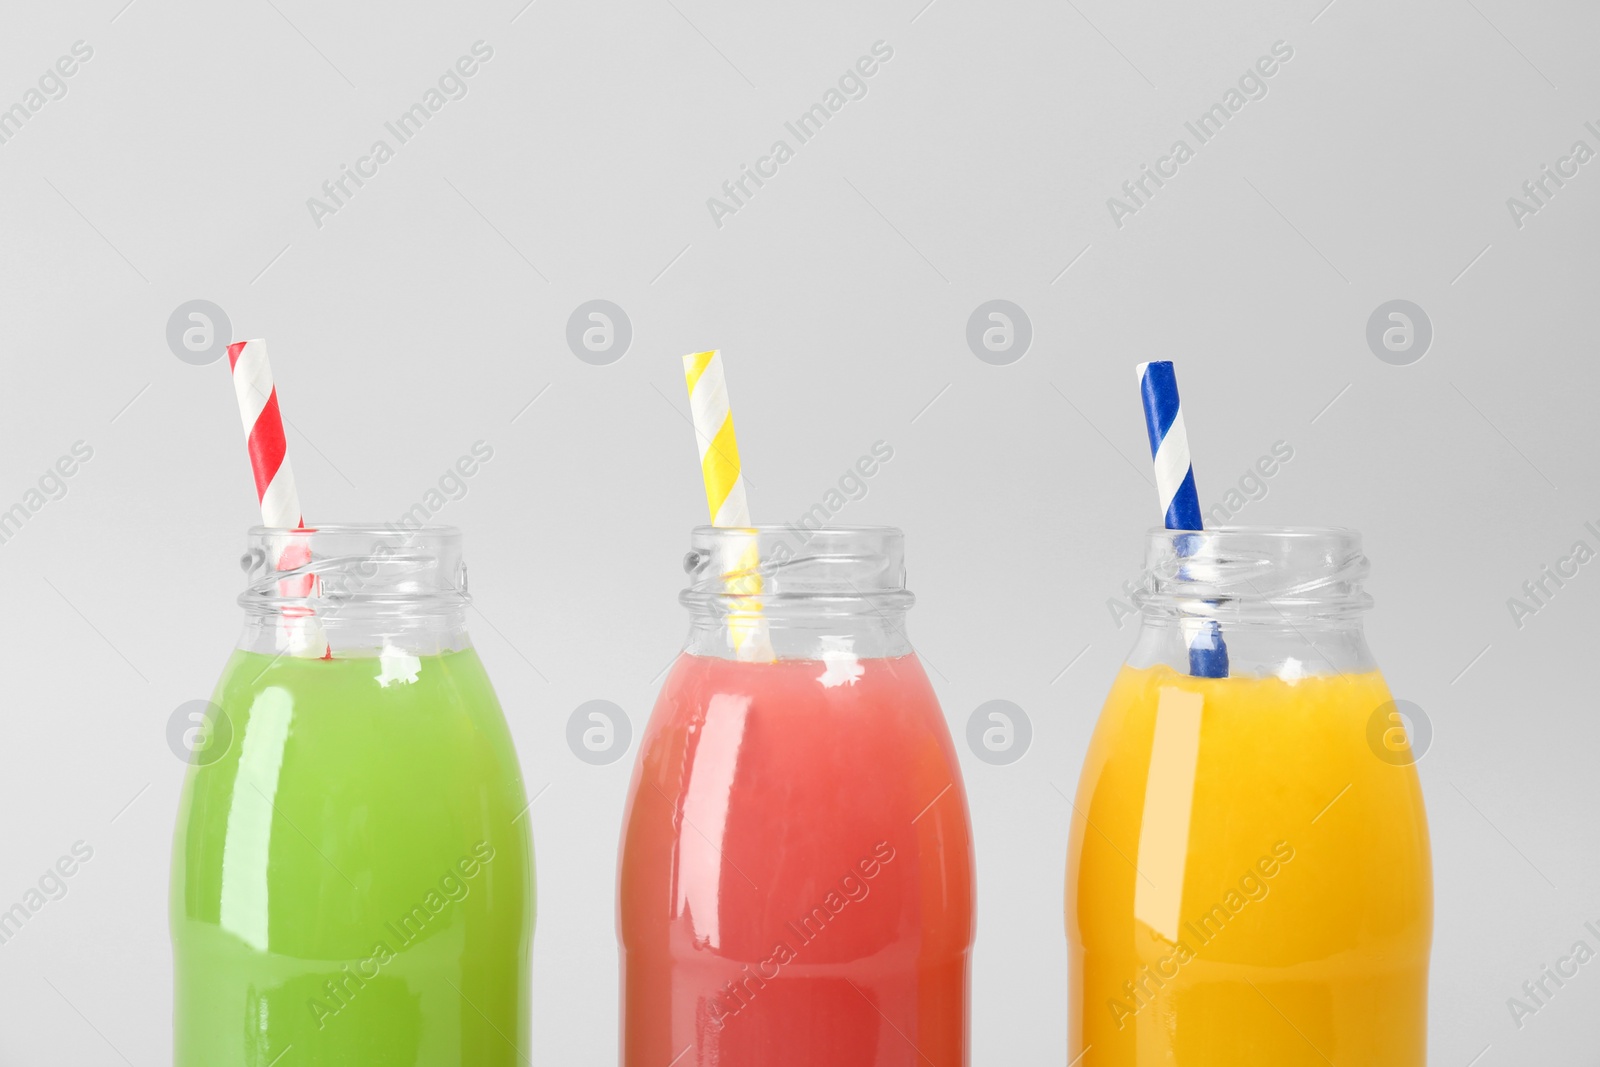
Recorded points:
(1258, 649)
(1283, 602)
(354, 590)
(795, 632)
(786, 593)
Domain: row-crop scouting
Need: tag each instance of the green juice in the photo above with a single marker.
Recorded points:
(352, 879)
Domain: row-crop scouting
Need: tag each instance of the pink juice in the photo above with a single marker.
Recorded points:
(796, 870)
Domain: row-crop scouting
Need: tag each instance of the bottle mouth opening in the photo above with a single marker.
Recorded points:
(822, 570)
(1259, 573)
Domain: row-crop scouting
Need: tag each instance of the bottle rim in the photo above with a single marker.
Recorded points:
(1284, 532)
(439, 531)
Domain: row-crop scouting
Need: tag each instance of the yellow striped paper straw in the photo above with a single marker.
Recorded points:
(725, 496)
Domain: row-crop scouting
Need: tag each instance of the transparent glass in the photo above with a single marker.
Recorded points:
(795, 883)
(351, 876)
(366, 587)
(816, 592)
(1249, 878)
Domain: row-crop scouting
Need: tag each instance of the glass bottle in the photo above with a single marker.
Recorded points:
(352, 881)
(1249, 877)
(796, 883)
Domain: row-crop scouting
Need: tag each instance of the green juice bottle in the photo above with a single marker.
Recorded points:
(352, 873)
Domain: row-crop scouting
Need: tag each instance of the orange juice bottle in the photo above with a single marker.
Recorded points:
(1248, 878)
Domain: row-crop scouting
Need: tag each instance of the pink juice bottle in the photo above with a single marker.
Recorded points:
(796, 883)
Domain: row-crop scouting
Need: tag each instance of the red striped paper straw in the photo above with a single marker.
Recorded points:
(280, 503)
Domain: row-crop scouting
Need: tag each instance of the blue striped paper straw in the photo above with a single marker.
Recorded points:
(1180, 503)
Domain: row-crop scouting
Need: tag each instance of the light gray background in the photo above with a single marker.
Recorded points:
(432, 309)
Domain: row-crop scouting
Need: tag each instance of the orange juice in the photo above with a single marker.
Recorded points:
(1248, 882)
